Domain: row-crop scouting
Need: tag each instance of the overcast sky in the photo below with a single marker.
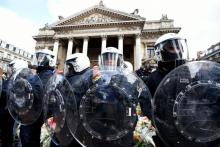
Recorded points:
(199, 19)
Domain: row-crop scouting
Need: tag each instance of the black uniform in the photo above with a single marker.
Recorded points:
(153, 81)
(143, 73)
(6, 121)
(30, 134)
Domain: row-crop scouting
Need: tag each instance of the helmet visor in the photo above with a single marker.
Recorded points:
(41, 59)
(69, 68)
(10, 70)
(111, 61)
(175, 49)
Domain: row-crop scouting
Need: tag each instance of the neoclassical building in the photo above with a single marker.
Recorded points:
(97, 27)
(9, 52)
(212, 53)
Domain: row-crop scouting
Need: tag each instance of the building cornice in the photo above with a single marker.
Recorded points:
(161, 30)
(76, 27)
(159, 21)
(132, 22)
(42, 36)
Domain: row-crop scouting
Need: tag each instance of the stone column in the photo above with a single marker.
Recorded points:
(70, 47)
(138, 52)
(85, 45)
(120, 43)
(55, 49)
(146, 56)
(104, 41)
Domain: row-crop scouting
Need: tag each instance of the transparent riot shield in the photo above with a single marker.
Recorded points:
(107, 108)
(59, 105)
(187, 106)
(25, 96)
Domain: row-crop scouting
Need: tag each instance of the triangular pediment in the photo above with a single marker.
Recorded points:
(95, 18)
(98, 15)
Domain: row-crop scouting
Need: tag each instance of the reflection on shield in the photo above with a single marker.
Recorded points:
(59, 104)
(25, 92)
(56, 110)
(197, 109)
(107, 113)
(22, 96)
(187, 103)
(107, 108)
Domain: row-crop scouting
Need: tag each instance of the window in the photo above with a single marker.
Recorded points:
(216, 47)
(5, 66)
(150, 52)
(21, 52)
(1, 54)
(11, 47)
(17, 50)
(3, 44)
(7, 46)
(25, 54)
(9, 56)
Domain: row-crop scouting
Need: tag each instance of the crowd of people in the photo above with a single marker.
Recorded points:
(170, 52)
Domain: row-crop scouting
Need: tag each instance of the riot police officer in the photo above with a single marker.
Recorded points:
(77, 72)
(45, 64)
(170, 50)
(76, 65)
(6, 125)
(111, 66)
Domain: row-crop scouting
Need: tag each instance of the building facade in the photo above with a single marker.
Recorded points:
(212, 53)
(98, 27)
(9, 52)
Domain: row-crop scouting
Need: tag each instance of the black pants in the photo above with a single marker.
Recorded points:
(30, 134)
(158, 142)
(6, 127)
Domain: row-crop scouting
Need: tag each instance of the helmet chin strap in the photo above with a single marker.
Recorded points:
(42, 68)
(167, 66)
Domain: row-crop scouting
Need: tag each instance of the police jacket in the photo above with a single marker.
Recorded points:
(44, 74)
(3, 98)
